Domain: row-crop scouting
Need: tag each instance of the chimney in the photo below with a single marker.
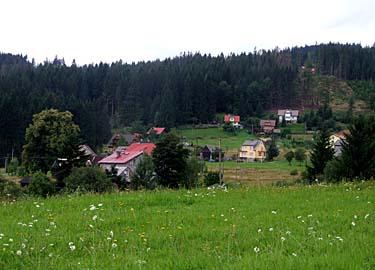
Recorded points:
(118, 153)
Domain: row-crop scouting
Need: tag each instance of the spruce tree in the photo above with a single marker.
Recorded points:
(322, 152)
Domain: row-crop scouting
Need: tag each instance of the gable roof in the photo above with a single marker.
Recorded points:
(158, 130)
(210, 148)
(342, 134)
(271, 123)
(253, 143)
(227, 118)
(124, 155)
(292, 112)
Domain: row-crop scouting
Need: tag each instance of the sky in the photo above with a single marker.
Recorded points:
(93, 31)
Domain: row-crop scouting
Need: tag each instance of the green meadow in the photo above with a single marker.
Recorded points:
(297, 227)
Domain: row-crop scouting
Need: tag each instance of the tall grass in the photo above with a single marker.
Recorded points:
(319, 227)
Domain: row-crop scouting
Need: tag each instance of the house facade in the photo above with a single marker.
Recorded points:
(337, 140)
(253, 150)
(267, 126)
(126, 159)
(290, 116)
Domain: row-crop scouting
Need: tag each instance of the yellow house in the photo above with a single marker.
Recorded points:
(339, 136)
(253, 151)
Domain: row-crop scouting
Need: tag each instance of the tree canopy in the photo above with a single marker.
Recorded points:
(52, 143)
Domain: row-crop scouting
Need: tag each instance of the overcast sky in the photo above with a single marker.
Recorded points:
(91, 31)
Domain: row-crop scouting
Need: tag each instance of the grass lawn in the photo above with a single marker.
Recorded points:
(318, 227)
(295, 128)
(211, 136)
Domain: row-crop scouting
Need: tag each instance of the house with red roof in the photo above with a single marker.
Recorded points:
(126, 159)
(157, 130)
(267, 126)
(234, 119)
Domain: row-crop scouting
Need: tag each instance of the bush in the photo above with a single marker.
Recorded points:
(41, 185)
(193, 167)
(332, 171)
(212, 178)
(89, 179)
(293, 172)
(9, 189)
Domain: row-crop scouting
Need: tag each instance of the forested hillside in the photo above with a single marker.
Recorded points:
(190, 88)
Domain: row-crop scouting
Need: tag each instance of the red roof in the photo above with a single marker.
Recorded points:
(158, 130)
(269, 123)
(124, 156)
(232, 118)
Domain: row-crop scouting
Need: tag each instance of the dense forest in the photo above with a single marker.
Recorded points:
(187, 89)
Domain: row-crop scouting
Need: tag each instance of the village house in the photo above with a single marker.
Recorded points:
(208, 152)
(337, 140)
(253, 150)
(126, 159)
(92, 157)
(234, 119)
(290, 116)
(268, 126)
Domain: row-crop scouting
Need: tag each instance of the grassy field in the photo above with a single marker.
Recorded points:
(318, 227)
(258, 173)
(211, 136)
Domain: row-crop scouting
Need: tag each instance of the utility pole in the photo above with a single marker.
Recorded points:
(220, 161)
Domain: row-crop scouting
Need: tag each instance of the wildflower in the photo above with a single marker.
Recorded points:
(299, 217)
(309, 216)
(274, 212)
(114, 245)
(282, 238)
(148, 249)
(294, 254)
(10, 239)
(256, 250)
(72, 246)
(320, 238)
(100, 205)
(50, 255)
(94, 217)
(270, 229)
(91, 226)
(23, 245)
(19, 252)
(353, 223)
(132, 209)
(287, 232)
(37, 206)
(111, 233)
(92, 208)
(367, 215)
(259, 230)
(355, 216)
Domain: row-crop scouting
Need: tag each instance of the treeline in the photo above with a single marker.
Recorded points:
(190, 88)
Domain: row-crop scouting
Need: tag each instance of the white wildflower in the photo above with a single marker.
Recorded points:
(111, 233)
(94, 217)
(270, 229)
(72, 248)
(259, 230)
(274, 212)
(10, 239)
(23, 245)
(91, 226)
(294, 254)
(148, 249)
(367, 215)
(114, 245)
(100, 205)
(353, 223)
(320, 238)
(282, 238)
(256, 249)
(299, 217)
(37, 206)
(355, 216)
(92, 208)
(19, 252)
(309, 216)
(287, 232)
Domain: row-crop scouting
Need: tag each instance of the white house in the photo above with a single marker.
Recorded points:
(290, 116)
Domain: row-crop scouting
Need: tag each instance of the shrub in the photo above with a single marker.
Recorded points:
(9, 189)
(144, 175)
(90, 179)
(212, 178)
(41, 185)
(294, 172)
